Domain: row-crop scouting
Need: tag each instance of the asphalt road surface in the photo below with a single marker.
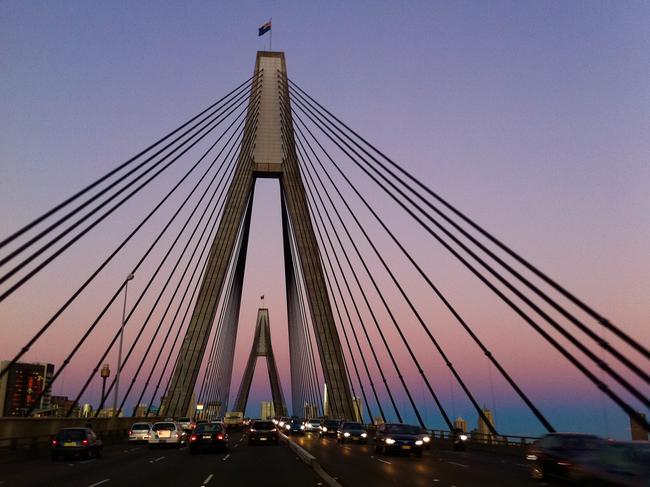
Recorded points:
(269, 465)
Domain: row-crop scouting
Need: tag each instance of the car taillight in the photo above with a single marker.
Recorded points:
(84, 442)
(130, 432)
(54, 442)
(219, 437)
(193, 438)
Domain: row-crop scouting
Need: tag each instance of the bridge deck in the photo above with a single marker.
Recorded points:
(357, 465)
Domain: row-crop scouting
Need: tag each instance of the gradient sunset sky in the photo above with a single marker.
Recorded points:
(533, 117)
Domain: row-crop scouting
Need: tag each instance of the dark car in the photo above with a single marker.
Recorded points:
(208, 437)
(351, 431)
(262, 432)
(395, 437)
(459, 439)
(294, 427)
(623, 463)
(558, 454)
(329, 427)
(71, 442)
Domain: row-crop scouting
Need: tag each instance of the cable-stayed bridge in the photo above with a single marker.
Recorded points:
(362, 340)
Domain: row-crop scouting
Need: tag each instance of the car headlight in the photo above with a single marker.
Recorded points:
(364, 435)
(531, 457)
(426, 439)
(419, 442)
(463, 437)
(281, 423)
(346, 434)
(287, 427)
(302, 426)
(324, 429)
(389, 441)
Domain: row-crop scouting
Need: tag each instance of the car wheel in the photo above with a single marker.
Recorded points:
(85, 455)
(537, 472)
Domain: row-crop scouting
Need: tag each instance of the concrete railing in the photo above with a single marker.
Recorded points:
(28, 435)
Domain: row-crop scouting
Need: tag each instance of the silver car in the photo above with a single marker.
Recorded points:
(140, 433)
(167, 433)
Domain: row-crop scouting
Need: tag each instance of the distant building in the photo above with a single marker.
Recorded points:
(483, 429)
(638, 432)
(86, 411)
(60, 406)
(108, 413)
(460, 424)
(212, 410)
(267, 410)
(21, 386)
(141, 411)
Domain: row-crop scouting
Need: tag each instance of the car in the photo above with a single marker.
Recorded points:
(398, 438)
(234, 420)
(167, 433)
(425, 436)
(623, 463)
(282, 421)
(294, 426)
(262, 432)
(351, 431)
(459, 439)
(139, 433)
(557, 454)
(208, 436)
(82, 442)
(186, 423)
(329, 427)
(200, 421)
(312, 425)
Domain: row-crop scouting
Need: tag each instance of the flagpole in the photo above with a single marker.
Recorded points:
(271, 37)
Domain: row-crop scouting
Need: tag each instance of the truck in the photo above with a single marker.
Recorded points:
(234, 420)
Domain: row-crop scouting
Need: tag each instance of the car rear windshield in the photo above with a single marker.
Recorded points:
(72, 435)
(353, 426)
(140, 427)
(184, 420)
(331, 424)
(164, 427)
(208, 428)
(402, 429)
(263, 425)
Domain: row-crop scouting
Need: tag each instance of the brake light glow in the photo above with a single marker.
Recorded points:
(84, 442)
(193, 438)
(130, 432)
(54, 442)
(219, 436)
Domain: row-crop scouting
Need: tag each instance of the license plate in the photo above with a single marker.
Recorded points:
(207, 437)
(355, 438)
(164, 434)
(262, 439)
(70, 443)
(406, 447)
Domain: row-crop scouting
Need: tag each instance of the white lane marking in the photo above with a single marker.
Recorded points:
(347, 448)
(236, 445)
(70, 464)
(156, 460)
(209, 477)
(88, 461)
(383, 461)
(436, 480)
(226, 457)
(458, 464)
(99, 483)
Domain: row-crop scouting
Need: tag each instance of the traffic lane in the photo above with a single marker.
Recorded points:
(137, 466)
(43, 471)
(359, 464)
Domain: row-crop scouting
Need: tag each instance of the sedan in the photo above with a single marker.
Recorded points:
(167, 433)
(140, 433)
(262, 432)
(208, 436)
(294, 427)
(76, 441)
(397, 437)
(559, 454)
(351, 431)
(312, 425)
(329, 427)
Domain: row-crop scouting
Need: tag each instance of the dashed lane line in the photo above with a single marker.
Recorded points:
(382, 461)
(156, 460)
(205, 482)
(88, 461)
(458, 464)
(99, 483)
(226, 457)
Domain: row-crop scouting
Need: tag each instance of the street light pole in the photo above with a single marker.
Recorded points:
(119, 354)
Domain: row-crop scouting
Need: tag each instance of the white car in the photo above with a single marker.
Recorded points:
(167, 433)
(140, 433)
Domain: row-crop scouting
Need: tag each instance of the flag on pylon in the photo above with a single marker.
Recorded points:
(264, 29)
